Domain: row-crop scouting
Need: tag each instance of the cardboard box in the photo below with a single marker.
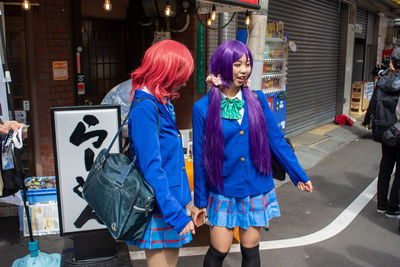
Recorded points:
(361, 93)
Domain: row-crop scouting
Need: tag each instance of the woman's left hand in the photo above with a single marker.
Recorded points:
(305, 186)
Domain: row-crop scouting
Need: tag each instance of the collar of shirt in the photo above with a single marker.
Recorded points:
(144, 89)
(238, 95)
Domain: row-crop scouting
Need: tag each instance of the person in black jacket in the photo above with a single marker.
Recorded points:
(383, 112)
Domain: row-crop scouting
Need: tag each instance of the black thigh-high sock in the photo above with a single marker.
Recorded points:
(214, 258)
(250, 256)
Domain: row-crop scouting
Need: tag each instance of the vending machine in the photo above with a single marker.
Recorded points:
(274, 77)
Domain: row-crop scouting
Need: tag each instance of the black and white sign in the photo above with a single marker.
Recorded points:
(79, 134)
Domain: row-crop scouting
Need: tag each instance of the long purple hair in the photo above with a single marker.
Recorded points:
(221, 63)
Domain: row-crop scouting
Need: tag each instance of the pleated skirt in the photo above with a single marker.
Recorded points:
(244, 212)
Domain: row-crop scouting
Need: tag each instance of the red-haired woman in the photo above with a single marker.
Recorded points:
(165, 68)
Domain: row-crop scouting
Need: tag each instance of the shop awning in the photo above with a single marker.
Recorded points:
(227, 5)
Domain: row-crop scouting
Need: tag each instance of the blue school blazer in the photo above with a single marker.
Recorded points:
(160, 159)
(240, 176)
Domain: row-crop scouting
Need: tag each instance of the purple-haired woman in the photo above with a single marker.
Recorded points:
(234, 134)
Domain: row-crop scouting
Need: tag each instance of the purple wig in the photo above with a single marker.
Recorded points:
(221, 63)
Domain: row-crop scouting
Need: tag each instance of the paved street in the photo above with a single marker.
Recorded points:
(325, 228)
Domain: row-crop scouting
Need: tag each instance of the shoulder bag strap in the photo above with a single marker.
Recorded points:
(126, 119)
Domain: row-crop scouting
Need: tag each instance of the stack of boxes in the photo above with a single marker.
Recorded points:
(361, 93)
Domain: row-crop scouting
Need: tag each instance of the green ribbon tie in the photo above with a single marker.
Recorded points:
(230, 108)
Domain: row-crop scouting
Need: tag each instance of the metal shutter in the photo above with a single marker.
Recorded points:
(314, 25)
(362, 19)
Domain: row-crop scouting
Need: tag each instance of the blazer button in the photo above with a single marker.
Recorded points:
(241, 159)
(183, 168)
(179, 135)
(241, 133)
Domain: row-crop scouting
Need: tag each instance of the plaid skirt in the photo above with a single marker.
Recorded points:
(159, 234)
(244, 212)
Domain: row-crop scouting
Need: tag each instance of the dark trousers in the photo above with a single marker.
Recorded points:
(390, 156)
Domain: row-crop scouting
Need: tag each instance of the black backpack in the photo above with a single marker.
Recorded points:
(385, 114)
(12, 178)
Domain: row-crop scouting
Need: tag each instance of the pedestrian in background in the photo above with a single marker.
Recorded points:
(234, 134)
(383, 112)
(166, 67)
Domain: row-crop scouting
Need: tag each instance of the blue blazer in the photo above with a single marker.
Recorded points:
(160, 159)
(240, 176)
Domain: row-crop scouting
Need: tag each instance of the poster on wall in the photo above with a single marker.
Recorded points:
(79, 134)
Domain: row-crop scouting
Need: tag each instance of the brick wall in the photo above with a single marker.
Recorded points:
(52, 41)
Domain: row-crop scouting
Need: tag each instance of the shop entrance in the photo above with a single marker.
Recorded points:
(17, 61)
(103, 58)
(358, 63)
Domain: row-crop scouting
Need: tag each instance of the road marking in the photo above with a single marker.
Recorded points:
(335, 227)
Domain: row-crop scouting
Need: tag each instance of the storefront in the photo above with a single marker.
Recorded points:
(96, 49)
(93, 48)
(313, 69)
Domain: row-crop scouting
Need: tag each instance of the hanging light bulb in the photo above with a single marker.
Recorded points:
(107, 5)
(167, 10)
(213, 13)
(26, 5)
(247, 20)
(209, 21)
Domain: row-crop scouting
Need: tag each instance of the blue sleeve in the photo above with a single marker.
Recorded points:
(279, 147)
(200, 176)
(146, 144)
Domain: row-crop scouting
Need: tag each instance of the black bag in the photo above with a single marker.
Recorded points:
(392, 135)
(278, 172)
(118, 193)
(12, 178)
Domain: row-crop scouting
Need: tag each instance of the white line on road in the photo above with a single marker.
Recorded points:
(334, 228)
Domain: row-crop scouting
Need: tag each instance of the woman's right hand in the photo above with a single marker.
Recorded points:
(188, 228)
(199, 215)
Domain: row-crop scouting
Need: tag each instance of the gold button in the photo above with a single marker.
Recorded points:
(241, 159)
(241, 133)
(179, 135)
(183, 168)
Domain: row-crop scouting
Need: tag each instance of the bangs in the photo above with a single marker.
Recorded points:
(225, 55)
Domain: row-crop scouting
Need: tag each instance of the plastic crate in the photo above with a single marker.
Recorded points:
(40, 195)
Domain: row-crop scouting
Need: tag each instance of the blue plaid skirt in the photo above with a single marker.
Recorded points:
(244, 212)
(159, 234)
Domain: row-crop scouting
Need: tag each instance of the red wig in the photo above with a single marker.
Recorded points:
(166, 65)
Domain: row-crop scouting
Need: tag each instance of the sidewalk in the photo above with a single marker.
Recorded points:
(311, 148)
(314, 145)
